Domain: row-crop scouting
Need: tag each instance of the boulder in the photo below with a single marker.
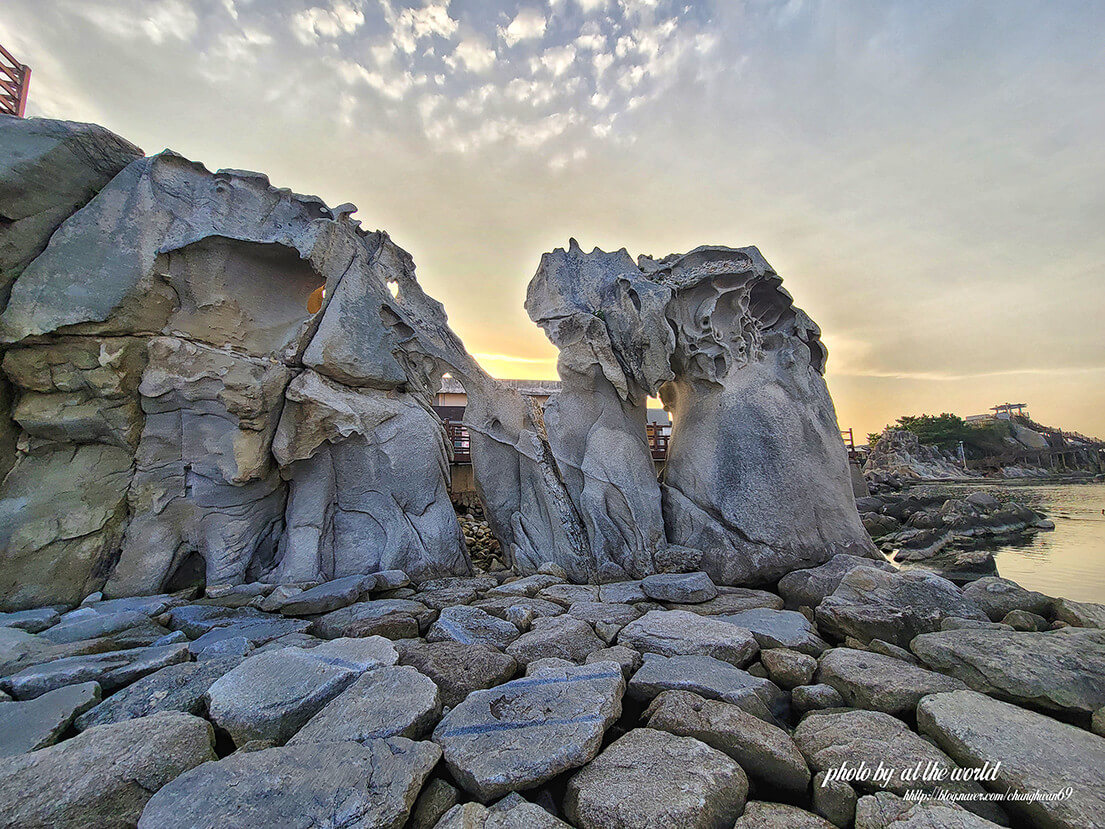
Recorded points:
(527, 731)
(779, 629)
(272, 695)
(622, 592)
(652, 779)
(501, 606)
(393, 701)
(731, 600)
(27, 726)
(685, 588)
(1080, 614)
(471, 626)
(111, 670)
(832, 739)
(512, 812)
(997, 597)
(88, 624)
(629, 659)
(527, 586)
(180, 687)
(197, 619)
(809, 587)
(391, 618)
(883, 810)
(807, 698)
(1036, 752)
(880, 683)
(1062, 670)
(328, 596)
(458, 669)
(834, 800)
(255, 632)
(32, 621)
(596, 613)
(765, 752)
(679, 633)
(103, 777)
(870, 603)
(310, 786)
(564, 637)
(438, 796)
(788, 669)
(710, 678)
(761, 815)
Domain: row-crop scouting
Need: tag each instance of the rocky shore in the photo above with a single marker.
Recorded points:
(505, 701)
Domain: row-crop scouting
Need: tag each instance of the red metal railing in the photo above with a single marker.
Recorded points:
(14, 80)
(457, 436)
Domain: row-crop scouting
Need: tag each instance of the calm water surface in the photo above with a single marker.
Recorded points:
(1069, 561)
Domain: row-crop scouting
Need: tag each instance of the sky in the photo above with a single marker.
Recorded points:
(928, 178)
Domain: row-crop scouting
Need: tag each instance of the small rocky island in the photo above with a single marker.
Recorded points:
(234, 591)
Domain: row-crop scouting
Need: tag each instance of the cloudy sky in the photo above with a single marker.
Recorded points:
(928, 178)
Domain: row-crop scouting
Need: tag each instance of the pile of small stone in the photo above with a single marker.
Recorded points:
(483, 548)
(510, 702)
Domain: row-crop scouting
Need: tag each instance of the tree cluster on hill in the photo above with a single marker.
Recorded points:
(946, 430)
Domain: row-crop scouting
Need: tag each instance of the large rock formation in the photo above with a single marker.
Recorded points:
(214, 379)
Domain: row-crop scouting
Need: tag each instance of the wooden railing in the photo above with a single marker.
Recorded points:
(457, 436)
(14, 80)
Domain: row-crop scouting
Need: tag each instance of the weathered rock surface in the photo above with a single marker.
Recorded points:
(765, 752)
(1036, 752)
(810, 587)
(763, 815)
(512, 812)
(313, 786)
(32, 621)
(710, 678)
(870, 603)
(103, 777)
(458, 669)
(679, 633)
(527, 731)
(180, 687)
(394, 701)
(328, 596)
(686, 588)
(563, 637)
(997, 597)
(1080, 614)
(806, 698)
(731, 600)
(471, 626)
(391, 618)
(26, 726)
(111, 670)
(779, 629)
(1061, 670)
(788, 669)
(883, 810)
(880, 683)
(272, 695)
(653, 780)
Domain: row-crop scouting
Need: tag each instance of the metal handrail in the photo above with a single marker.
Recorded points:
(15, 79)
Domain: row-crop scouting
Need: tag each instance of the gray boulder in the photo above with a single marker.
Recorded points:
(272, 695)
(807, 698)
(622, 592)
(471, 626)
(765, 752)
(763, 815)
(710, 678)
(834, 800)
(779, 629)
(629, 659)
(809, 587)
(391, 618)
(603, 613)
(512, 812)
(880, 683)
(653, 780)
(1062, 670)
(679, 633)
(1036, 752)
(731, 600)
(870, 603)
(788, 669)
(997, 596)
(1080, 614)
(526, 732)
(88, 624)
(883, 810)
(393, 701)
(685, 588)
(27, 726)
(437, 797)
(103, 777)
(255, 632)
(32, 621)
(311, 786)
(458, 669)
(111, 670)
(180, 687)
(328, 596)
(563, 637)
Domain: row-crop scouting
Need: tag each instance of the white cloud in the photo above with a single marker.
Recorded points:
(602, 62)
(528, 24)
(159, 20)
(342, 17)
(475, 56)
(559, 59)
(411, 25)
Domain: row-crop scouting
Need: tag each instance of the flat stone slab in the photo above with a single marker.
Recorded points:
(559, 637)
(712, 679)
(880, 683)
(88, 624)
(328, 596)
(604, 613)
(178, 687)
(32, 621)
(1036, 752)
(998, 596)
(686, 588)
(310, 786)
(760, 814)
(391, 618)
(764, 751)
(886, 811)
(111, 670)
(527, 731)
(870, 603)
(567, 595)
(272, 695)
(679, 633)
(622, 592)
(197, 619)
(472, 626)
(1062, 670)
(27, 726)
(392, 701)
(499, 606)
(104, 776)
(650, 778)
(528, 586)
(811, 586)
(779, 629)
(458, 669)
(832, 738)
(731, 600)
(256, 632)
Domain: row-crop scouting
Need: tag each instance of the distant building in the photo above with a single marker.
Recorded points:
(1002, 411)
